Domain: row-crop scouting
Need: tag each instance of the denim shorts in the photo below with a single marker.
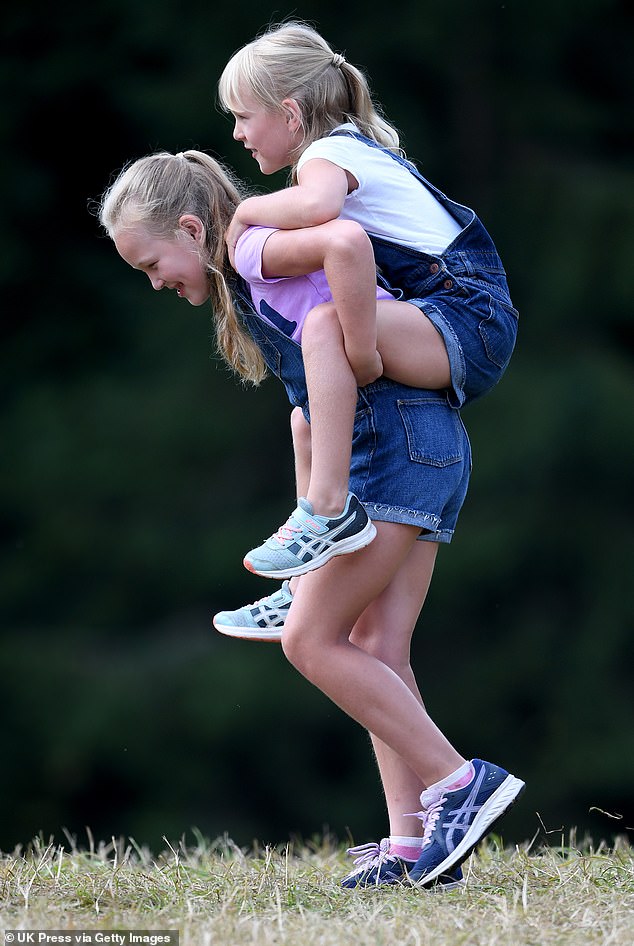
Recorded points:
(479, 337)
(411, 458)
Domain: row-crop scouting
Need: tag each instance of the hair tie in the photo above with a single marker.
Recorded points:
(338, 60)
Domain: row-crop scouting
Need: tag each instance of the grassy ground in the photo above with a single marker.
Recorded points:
(215, 893)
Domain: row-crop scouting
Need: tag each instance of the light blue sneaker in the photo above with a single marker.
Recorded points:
(376, 867)
(306, 541)
(456, 821)
(261, 621)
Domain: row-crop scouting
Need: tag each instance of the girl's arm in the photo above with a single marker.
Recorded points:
(317, 198)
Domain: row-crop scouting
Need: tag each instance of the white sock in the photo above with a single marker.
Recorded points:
(457, 779)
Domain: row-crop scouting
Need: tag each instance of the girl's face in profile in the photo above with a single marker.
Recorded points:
(172, 262)
(271, 137)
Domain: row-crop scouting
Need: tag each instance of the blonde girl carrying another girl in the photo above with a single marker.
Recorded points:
(347, 627)
(296, 103)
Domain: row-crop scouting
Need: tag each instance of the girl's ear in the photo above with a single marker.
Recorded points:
(293, 114)
(192, 226)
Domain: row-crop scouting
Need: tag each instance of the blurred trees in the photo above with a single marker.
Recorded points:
(136, 470)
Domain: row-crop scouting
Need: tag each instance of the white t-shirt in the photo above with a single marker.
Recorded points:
(389, 201)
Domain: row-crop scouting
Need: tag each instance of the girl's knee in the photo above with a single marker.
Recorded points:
(292, 647)
(319, 326)
(299, 648)
(348, 240)
(390, 649)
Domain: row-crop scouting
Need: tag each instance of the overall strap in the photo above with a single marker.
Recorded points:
(396, 157)
(463, 214)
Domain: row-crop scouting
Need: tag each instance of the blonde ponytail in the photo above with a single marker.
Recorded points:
(293, 61)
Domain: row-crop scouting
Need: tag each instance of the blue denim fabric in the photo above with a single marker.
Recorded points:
(463, 292)
(283, 355)
(411, 458)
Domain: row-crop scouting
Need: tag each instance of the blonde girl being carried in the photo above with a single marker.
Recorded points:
(298, 104)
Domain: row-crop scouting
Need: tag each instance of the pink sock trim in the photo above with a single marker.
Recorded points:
(407, 848)
(457, 779)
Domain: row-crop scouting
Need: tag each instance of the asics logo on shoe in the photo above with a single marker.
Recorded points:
(267, 618)
(313, 546)
(459, 819)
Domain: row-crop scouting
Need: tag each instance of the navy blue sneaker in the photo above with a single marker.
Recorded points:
(456, 821)
(376, 867)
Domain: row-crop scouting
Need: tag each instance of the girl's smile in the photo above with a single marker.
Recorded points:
(172, 263)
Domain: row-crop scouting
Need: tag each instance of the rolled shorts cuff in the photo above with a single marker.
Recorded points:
(382, 512)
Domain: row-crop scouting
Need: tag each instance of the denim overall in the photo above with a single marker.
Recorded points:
(463, 292)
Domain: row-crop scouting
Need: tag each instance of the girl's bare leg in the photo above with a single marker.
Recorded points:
(413, 352)
(300, 432)
(332, 393)
(397, 608)
(385, 630)
(327, 605)
(302, 450)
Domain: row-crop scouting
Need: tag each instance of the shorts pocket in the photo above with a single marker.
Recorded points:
(498, 332)
(433, 431)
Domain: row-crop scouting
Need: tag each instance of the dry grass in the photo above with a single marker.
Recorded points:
(216, 893)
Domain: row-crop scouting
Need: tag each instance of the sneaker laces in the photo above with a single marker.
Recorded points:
(370, 855)
(432, 801)
(287, 532)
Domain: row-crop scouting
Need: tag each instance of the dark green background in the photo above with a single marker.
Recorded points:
(136, 471)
